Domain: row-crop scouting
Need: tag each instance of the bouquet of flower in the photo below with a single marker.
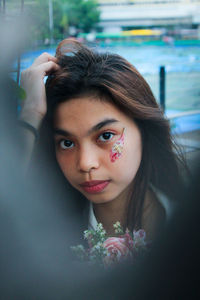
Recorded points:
(108, 251)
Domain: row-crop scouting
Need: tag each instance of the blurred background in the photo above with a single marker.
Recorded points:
(148, 33)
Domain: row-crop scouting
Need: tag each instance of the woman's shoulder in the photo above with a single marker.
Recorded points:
(153, 215)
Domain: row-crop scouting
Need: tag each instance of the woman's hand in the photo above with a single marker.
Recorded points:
(32, 81)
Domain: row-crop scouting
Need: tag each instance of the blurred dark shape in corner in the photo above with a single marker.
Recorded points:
(37, 227)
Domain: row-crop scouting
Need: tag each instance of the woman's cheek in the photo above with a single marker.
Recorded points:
(134, 155)
(65, 164)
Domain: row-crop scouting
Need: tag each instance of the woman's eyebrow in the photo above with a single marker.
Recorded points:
(58, 131)
(101, 124)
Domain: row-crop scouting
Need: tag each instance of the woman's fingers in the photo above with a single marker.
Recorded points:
(43, 58)
(48, 67)
(32, 81)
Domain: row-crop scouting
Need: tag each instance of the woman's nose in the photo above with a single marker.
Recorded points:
(88, 159)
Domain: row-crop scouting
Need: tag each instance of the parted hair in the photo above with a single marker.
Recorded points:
(112, 78)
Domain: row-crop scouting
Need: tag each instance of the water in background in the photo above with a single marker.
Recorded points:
(182, 72)
(182, 65)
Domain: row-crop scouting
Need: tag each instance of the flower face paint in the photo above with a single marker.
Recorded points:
(117, 148)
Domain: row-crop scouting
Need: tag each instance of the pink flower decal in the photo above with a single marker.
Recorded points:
(118, 250)
(117, 148)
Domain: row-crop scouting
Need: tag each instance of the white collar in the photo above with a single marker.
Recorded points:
(92, 222)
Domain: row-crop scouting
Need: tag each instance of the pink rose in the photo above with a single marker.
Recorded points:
(118, 250)
(140, 234)
(139, 238)
(128, 240)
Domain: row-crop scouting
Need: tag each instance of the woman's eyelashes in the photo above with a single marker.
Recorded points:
(65, 144)
(106, 137)
(103, 138)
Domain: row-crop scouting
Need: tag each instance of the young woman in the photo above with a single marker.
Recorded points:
(111, 139)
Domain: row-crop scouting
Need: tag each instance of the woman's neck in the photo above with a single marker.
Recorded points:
(110, 212)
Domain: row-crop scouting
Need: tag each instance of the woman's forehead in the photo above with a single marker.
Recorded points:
(83, 117)
(86, 111)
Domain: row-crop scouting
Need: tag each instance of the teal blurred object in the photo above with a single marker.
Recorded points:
(184, 122)
(182, 65)
(147, 59)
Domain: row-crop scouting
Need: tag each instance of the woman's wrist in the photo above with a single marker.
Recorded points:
(31, 117)
(29, 128)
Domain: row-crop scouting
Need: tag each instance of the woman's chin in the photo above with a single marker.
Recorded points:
(100, 198)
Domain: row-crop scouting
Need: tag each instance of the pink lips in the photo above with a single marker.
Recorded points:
(94, 186)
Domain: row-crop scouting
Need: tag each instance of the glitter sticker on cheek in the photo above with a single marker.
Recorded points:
(117, 148)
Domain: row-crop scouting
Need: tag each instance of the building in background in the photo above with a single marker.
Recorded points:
(183, 16)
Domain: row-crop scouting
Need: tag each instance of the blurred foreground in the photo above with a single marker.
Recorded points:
(37, 228)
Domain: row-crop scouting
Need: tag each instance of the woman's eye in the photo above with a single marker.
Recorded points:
(66, 144)
(106, 136)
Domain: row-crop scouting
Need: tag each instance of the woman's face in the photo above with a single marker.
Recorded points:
(86, 129)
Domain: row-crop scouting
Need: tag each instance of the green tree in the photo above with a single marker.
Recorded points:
(83, 15)
(39, 14)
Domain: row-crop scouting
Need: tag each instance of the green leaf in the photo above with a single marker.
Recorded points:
(20, 92)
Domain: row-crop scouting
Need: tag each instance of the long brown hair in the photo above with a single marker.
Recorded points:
(111, 77)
